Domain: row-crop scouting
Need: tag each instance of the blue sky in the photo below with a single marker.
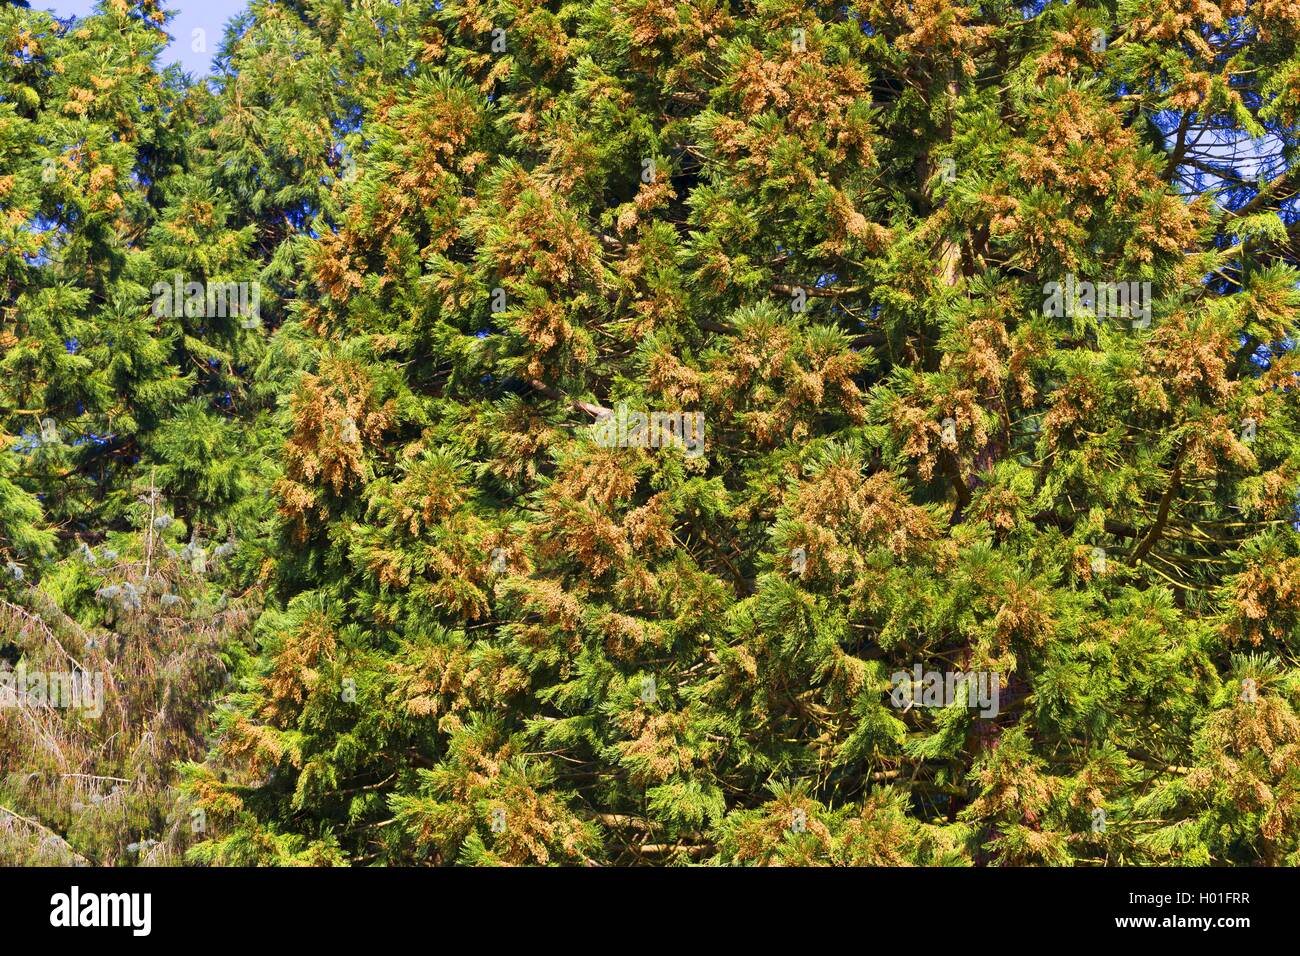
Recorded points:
(210, 16)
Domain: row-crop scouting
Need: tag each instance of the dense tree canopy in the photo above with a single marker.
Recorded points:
(649, 409)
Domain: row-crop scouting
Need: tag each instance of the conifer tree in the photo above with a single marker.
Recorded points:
(715, 433)
(832, 233)
(118, 434)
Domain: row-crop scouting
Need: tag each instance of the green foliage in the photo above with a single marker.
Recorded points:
(850, 240)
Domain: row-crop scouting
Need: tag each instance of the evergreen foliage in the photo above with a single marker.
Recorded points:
(463, 625)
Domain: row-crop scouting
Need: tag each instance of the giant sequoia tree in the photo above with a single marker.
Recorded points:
(986, 311)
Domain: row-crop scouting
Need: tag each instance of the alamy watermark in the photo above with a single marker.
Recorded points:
(67, 690)
(131, 910)
(208, 300)
(636, 429)
(1103, 300)
(917, 688)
